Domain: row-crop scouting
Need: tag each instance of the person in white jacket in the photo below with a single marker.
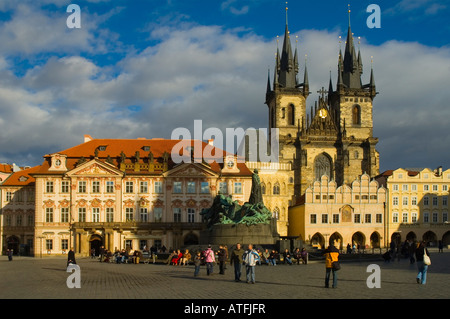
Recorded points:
(250, 258)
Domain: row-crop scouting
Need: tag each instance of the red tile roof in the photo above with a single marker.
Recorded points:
(21, 178)
(114, 148)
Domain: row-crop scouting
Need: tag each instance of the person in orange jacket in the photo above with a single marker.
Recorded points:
(331, 262)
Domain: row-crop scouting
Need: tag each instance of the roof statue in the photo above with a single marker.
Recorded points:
(226, 211)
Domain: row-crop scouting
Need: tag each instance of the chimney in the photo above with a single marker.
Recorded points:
(87, 138)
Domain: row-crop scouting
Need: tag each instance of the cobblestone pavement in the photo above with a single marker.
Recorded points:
(36, 278)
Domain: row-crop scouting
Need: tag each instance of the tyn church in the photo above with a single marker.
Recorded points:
(336, 137)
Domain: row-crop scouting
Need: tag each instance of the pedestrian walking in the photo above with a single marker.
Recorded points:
(210, 259)
(236, 259)
(331, 265)
(9, 252)
(222, 255)
(71, 257)
(422, 259)
(197, 263)
(250, 258)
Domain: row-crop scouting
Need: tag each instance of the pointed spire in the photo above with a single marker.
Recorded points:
(288, 72)
(351, 70)
(268, 90)
(330, 85)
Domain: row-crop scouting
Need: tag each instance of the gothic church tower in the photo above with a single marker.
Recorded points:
(336, 137)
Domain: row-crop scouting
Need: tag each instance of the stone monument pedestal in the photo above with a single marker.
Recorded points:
(230, 234)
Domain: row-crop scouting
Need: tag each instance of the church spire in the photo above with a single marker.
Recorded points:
(287, 72)
(351, 68)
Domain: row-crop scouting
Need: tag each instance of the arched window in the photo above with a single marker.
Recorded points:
(276, 189)
(356, 114)
(263, 189)
(322, 166)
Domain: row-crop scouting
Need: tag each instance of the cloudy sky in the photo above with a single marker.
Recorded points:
(141, 68)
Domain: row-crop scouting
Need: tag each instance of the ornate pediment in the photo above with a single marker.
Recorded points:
(95, 168)
(191, 170)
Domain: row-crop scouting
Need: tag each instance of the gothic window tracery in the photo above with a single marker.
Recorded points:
(322, 166)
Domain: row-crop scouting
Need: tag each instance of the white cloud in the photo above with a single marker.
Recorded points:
(200, 72)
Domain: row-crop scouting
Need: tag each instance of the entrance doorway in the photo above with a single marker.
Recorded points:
(96, 242)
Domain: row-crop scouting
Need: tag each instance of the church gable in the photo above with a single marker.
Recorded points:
(322, 121)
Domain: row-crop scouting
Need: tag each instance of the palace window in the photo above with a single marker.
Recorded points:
(177, 214)
(64, 244)
(435, 201)
(49, 244)
(109, 186)
(313, 219)
(191, 215)
(426, 217)
(49, 187)
(129, 214)
(395, 217)
(405, 200)
(414, 217)
(144, 214)
(379, 218)
(223, 188)
(404, 217)
(177, 188)
(425, 201)
(96, 187)
(157, 211)
(82, 187)
(426, 188)
(158, 188)
(435, 217)
(335, 218)
(368, 218)
(82, 214)
(65, 186)
(49, 215)
(394, 201)
(238, 188)
(357, 218)
(414, 200)
(204, 188)
(445, 217)
(109, 214)
(191, 187)
(405, 187)
(444, 200)
(128, 187)
(64, 214)
(414, 187)
(95, 214)
(143, 187)
(435, 188)
(324, 218)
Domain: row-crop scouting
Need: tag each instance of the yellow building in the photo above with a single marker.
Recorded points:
(418, 204)
(115, 193)
(347, 214)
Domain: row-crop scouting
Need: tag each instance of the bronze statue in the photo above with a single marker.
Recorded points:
(226, 211)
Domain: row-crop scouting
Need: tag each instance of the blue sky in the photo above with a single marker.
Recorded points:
(142, 68)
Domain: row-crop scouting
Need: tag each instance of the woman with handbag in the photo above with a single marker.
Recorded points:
(331, 264)
(423, 261)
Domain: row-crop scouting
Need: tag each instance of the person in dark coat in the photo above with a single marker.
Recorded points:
(71, 257)
(222, 254)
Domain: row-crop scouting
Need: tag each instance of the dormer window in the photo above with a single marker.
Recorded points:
(102, 148)
(146, 148)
